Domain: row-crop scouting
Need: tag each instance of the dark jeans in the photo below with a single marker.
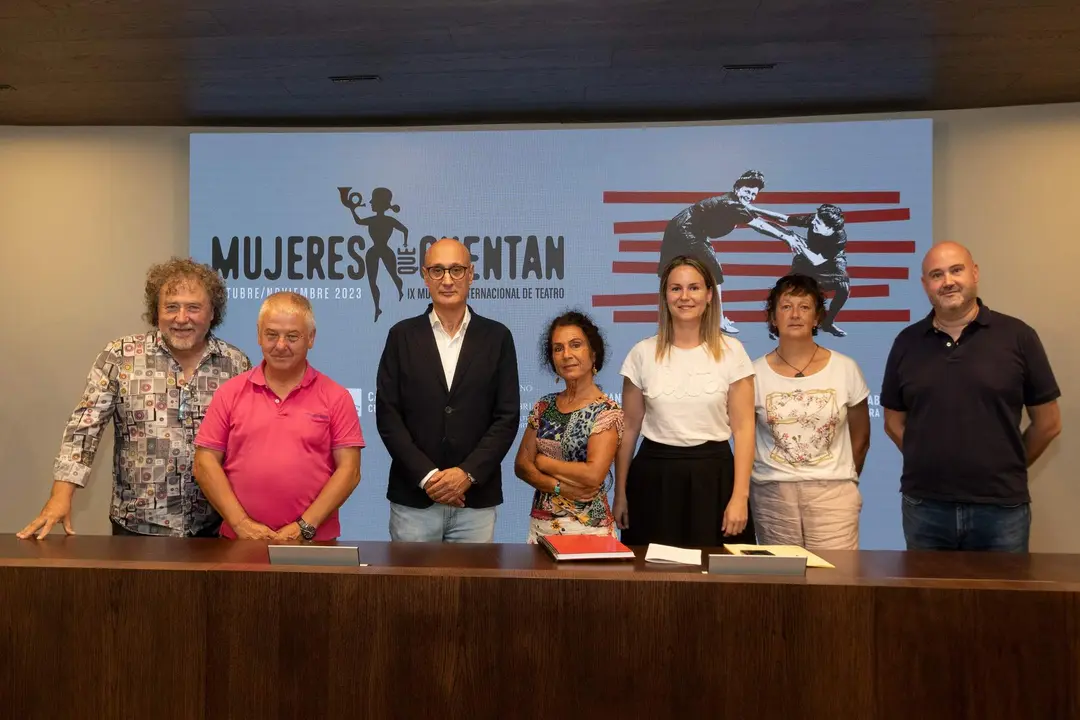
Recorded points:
(210, 532)
(939, 525)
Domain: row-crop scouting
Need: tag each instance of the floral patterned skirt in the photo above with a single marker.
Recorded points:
(564, 526)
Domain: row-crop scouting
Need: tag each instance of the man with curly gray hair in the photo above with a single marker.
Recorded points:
(154, 387)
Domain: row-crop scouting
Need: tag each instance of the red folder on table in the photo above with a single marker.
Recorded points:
(585, 547)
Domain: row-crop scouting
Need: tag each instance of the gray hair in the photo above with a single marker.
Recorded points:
(289, 303)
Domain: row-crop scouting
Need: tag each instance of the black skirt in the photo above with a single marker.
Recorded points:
(677, 496)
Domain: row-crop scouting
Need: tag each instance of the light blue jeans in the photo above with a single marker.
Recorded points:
(442, 523)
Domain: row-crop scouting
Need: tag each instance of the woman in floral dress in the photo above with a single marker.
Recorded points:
(572, 436)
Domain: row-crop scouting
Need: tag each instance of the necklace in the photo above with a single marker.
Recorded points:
(959, 326)
(945, 329)
(798, 372)
(578, 405)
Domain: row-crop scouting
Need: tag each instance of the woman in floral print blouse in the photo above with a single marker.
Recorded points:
(572, 436)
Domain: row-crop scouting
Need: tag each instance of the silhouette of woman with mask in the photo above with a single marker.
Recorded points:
(380, 227)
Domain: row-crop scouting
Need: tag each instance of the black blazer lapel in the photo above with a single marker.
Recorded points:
(429, 350)
(470, 348)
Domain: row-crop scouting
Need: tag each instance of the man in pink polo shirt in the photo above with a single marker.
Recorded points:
(279, 449)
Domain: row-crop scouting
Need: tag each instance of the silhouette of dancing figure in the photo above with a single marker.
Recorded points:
(380, 227)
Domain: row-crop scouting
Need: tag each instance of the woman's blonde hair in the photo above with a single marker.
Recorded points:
(709, 327)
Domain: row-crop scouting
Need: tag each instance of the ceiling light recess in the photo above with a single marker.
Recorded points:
(749, 67)
(347, 79)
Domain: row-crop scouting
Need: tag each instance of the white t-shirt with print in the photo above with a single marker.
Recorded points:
(686, 393)
(802, 431)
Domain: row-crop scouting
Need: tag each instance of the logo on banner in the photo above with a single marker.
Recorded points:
(505, 259)
(381, 228)
(359, 401)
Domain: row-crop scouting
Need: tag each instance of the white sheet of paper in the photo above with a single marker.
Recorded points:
(672, 555)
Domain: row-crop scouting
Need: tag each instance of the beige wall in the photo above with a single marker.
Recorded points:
(84, 211)
(1003, 184)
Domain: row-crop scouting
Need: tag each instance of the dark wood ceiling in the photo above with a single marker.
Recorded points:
(268, 62)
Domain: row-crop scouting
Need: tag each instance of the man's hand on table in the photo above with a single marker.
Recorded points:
(57, 510)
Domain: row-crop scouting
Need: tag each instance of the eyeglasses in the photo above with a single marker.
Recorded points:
(185, 407)
(436, 272)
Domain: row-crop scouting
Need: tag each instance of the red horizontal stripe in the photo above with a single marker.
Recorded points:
(862, 291)
(629, 299)
(776, 246)
(757, 316)
(640, 226)
(730, 296)
(851, 216)
(862, 273)
(878, 273)
(886, 197)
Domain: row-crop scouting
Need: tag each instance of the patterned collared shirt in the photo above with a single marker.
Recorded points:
(136, 383)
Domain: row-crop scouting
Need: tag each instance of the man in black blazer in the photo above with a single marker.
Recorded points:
(447, 408)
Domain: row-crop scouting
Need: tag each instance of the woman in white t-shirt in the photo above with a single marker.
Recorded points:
(813, 429)
(687, 390)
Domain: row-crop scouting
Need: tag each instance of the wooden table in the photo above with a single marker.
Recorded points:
(118, 627)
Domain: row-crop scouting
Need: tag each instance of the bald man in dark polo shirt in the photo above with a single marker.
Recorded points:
(955, 386)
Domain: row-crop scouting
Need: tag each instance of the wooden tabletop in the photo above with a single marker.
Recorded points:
(864, 568)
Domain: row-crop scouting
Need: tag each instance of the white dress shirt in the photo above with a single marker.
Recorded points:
(449, 347)
(449, 352)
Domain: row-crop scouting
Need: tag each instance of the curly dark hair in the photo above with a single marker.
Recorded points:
(169, 275)
(832, 216)
(578, 319)
(751, 178)
(797, 285)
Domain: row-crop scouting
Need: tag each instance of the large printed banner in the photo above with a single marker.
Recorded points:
(565, 218)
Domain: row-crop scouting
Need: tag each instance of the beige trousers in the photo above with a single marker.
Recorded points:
(814, 514)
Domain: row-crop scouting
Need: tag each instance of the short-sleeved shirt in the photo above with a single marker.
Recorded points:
(686, 392)
(802, 425)
(964, 401)
(565, 436)
(829, 247)
(714, 217)
(279, 454)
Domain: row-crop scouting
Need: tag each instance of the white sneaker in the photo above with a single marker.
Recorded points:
(727, 326)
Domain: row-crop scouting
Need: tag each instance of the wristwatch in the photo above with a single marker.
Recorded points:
(472, 480)
(307, 530)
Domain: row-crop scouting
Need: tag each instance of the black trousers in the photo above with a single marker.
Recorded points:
(679, 240)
